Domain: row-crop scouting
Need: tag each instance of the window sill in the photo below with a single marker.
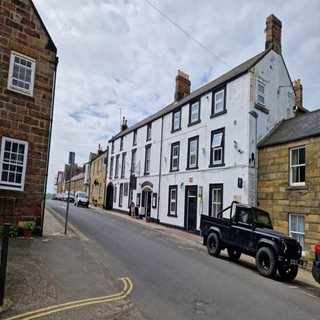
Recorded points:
(261, 108)
(174, 170)
(25, 94)
(217, 165)
(146, 173)
(193, 123)
(297, 188)
(193, 168)
(175, 130)
(172, 215)
(214, 115)
(148, 139)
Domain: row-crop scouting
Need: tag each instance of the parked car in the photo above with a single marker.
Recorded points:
(249, 230)
(71, 197)
(316, 263)
(58, 196)
(81, 199)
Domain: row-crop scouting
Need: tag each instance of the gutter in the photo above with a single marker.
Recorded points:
(49, 145)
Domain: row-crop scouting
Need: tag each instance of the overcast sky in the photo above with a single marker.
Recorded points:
(123, 54)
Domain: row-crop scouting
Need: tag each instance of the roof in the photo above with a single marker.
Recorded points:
(78, 177)
(230, 75)
(50, 45)
(297, 128)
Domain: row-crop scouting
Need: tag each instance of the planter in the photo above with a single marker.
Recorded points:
(27, 233)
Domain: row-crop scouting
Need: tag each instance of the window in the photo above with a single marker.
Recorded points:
(126, 189)
(193, 146)
(147, 160)
(194, 113)
(173, 195)
(111, 168)
(115, 194)
(176, 120)
(133, 161)
(218, 102)
(175, 150)
(120, 194)
(217, 148)
(121, 143)
(296, 228)
(297, 167)
(215, 199)
(21, 73)
(116, 175)
(13, 162)
(260, 93)
(123, 165)
(149, 131)
(134, 142)
(112, 147)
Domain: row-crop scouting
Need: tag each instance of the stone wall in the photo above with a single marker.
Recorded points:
(277, 196)
(23, 117)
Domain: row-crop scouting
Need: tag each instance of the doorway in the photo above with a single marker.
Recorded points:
(109, 197)
(190, 214)
(146, 203)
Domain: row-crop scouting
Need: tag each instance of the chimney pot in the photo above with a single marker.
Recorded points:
(298, 91)
(273, 33)
(183, 85)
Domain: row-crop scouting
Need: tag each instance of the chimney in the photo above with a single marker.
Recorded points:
(273, 33)
(183, 85)
(124, 124)
(297, 86)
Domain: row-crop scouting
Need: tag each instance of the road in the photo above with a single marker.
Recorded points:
(176, 280)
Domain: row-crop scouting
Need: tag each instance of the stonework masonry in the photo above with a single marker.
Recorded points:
(25, 117)
(277, 196)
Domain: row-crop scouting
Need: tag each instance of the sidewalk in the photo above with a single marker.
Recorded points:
(57, 269)
(304, 277)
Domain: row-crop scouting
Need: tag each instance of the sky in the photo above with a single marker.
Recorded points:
(120, 57)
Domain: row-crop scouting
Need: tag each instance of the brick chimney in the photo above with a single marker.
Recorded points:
(183, 86)
(297, 86)
(273, 33)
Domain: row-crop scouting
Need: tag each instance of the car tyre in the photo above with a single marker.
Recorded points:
(213, 244)
(266, 262)
(234, 254)
(288, 273)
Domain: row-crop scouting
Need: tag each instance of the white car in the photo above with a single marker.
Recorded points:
(81, 199)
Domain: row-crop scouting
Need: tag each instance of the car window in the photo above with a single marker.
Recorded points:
(244, 216)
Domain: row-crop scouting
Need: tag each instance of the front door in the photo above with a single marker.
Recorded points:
(109, 200)
(191, 208)
(148, 204)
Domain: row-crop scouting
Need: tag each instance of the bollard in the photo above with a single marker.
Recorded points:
(4, 256)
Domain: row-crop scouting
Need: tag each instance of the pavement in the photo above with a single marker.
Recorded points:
(304, 276)
(59, 276)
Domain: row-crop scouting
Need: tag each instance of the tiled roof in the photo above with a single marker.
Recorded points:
(78, 177)
(230, 75)
(300, 127)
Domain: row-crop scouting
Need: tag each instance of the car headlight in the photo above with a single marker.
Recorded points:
(284, 246)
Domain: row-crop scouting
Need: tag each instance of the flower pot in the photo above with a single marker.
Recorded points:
(27, 233)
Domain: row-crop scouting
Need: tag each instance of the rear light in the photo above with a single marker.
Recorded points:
(317, 248)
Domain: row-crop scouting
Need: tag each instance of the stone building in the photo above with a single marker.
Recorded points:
(98, 177)
(77, 183)
(289, 178)
(28, 63)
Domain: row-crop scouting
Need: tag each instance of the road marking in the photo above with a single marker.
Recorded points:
(127, 289)
(310, 295)
(71, 226)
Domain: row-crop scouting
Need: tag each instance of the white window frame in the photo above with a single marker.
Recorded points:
(13, 185)
(149, 130)
(217, 146)
(111, 167)
(303, 234)
(193, 112)
(215, 204)
(297, 166)
(195, 153)
(123, 165)
(147, 160)
(261, 94)
(173, 200)
(11, 78)
(116, 174)
(177, 120)
(218, 101)
(133, 161)
(121, 195)
(134, 142)
(175, 157)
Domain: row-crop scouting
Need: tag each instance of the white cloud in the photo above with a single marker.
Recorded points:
(124, 54)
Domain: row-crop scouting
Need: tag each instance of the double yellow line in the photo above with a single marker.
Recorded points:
(127, 289)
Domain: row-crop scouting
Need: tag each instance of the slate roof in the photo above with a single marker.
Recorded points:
(297, 128)
(230, 75)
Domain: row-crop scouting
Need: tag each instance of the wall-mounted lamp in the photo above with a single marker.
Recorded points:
(181, 185)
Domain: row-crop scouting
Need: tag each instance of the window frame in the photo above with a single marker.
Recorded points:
(198, 120)
(178, 111)
(120, 195)
(195, 138)
(171, 188)
(123, 165)
(212, 149)
(112, 147)
(174, 145)
(133, 152)
(116, 174)
(147, 149)
(121, 144)
(149, 131)
(134, 139)
(215, 186)
(214, 112)
(262, 94)
(5, 185)
(111, 167)
(298, 232)
(297, 184)
(16, 88)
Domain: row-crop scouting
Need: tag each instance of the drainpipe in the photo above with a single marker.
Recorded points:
(49, 144)
(255, 116)
(160, 169)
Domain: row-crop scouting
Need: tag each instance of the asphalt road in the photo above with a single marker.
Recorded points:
(175, 280)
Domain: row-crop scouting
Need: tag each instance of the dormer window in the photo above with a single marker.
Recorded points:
(261, 93)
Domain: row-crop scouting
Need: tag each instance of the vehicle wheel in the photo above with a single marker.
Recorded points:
(288, 273)
(213, 244)
(233, 254)
(266, 262)
(77, 204)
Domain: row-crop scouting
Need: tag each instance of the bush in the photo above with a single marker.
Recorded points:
(29, 225)
(13, 231)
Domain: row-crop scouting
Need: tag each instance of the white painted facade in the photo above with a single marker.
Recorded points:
(242, 131)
